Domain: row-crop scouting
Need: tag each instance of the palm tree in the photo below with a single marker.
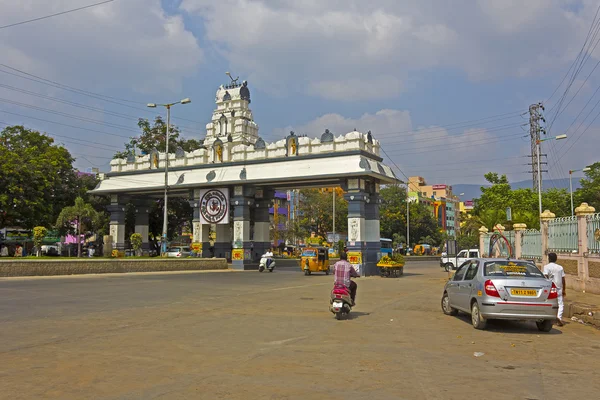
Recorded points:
(81, 210)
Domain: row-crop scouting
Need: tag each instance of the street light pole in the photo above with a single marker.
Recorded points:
(571, 184)
(165, 218)
(163, 247)
(539, 171)
(333, 238)
(407, 220)
(539, 177)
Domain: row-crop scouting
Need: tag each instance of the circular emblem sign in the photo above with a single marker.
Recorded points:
(597, 235)
(213, 206)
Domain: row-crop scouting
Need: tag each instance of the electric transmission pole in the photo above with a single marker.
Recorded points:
(535, 116)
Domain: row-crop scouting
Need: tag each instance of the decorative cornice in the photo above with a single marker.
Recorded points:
(585, 209)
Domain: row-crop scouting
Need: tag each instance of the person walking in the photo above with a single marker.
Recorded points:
(556, 273)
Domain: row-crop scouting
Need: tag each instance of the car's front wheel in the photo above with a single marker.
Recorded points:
(446, 308)
(449, 266)
(476, 318)
(545, 325)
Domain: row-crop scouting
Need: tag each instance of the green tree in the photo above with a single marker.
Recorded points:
(180, 216)
(490, 208)
(590, 188)
(316, 208)
(398, 239)
(154, 137)
(80, 213)
(39, 233)
(392, 211)
(467, 241)
(36, 176)
(423, 224)
(136, 242)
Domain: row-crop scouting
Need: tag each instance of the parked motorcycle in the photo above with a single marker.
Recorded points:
(341, 302)
(266, 265)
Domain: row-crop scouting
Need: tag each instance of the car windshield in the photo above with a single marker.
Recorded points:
(509, 269)
(173, 249)
(309, 253)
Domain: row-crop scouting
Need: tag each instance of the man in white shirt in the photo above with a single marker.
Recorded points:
(269, 256)
(556, 274)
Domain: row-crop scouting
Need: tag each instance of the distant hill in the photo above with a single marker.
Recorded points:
(472, 191)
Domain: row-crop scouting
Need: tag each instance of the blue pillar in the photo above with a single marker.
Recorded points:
(242, 202)
(142, 210)
(200, 232)
(372, 233)
(117, 220)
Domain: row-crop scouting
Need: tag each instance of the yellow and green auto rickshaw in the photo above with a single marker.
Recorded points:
(315, 259)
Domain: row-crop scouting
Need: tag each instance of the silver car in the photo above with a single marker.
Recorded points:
(499, 288)
(178, 251)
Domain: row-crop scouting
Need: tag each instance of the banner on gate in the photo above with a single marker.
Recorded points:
(214, 206)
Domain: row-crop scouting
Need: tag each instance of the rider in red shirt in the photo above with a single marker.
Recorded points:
(343, 272)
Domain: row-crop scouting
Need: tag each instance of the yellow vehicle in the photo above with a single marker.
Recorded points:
(315, 259)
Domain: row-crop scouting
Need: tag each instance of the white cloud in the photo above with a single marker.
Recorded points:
(121, 44)
(345, 50)
(436, 153)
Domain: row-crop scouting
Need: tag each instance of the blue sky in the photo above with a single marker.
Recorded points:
(422, 75)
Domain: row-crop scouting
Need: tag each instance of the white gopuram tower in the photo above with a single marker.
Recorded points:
(232, 120)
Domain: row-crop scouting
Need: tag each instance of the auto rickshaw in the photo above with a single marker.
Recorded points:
(315, 259)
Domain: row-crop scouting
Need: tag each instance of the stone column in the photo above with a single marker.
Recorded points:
(200, 232)
(582, 262)
(372, 233)
(262, 240)
(242, 201)
(116, 208)
(544, 218)
(482, 250)
(356, 198)
(223, 241)
(519, 228)
(142, 210)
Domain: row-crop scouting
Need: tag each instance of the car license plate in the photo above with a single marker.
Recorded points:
(337, 304)
(524, 292)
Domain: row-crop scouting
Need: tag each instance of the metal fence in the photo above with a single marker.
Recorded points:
(486, 244)
(510, 236)
(593, 233)
(500, 246)
(563, 235)
(531, 244)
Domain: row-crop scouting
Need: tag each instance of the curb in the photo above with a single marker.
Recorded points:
(583, 313)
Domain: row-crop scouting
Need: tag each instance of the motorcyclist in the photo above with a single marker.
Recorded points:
(269, 256)
(343, 271)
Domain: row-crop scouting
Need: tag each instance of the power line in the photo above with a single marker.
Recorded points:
(433, 149)
(79, 141)
(67, 125)
(575, 61)
(85, 119)
(580, 135)
(473, 132)
(487, 160)
(582, 58)
(84, 106)
(56, 14)
(98, 96)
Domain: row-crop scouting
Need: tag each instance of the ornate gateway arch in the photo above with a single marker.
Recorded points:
(236, 173)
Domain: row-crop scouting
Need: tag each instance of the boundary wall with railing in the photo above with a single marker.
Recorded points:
(576, 241)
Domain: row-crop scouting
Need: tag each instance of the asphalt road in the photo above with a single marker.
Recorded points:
(250, 335)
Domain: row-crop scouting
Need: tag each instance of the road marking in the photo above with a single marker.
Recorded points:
(300, 286)
(280, 342)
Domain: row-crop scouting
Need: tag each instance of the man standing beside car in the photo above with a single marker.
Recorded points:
(556, 273)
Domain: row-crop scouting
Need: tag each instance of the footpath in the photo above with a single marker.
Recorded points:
(583, 308)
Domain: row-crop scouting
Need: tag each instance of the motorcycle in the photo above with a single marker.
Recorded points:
(341, 302)
(263, 264)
